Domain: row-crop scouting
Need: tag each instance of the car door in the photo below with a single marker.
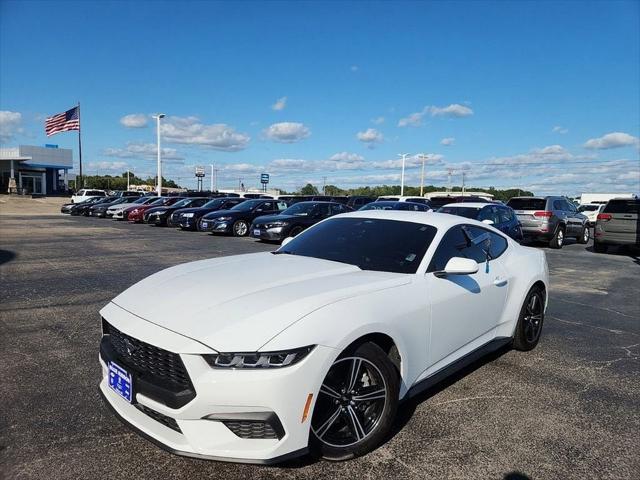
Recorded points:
(465, 309)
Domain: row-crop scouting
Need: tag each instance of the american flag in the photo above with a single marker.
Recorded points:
(63, 122)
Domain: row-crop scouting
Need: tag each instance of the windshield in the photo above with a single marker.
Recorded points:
(213, 203)
(588, 208)
(379, 206)
(141, 200)
(183, 203)
(301, 209)
(370, 244)
(158, 202)
(247, 205)
(466, 212)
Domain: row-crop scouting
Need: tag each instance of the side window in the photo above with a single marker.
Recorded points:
(336, 209)
(455, 243)
(498, 242)
(282, 206)
(505, 215)
(558, 205)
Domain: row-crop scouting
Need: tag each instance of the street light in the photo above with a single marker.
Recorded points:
(423, 157)
(159, 183)
(404, 157)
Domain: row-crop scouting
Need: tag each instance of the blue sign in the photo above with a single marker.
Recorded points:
(264, 178)
(49, 145)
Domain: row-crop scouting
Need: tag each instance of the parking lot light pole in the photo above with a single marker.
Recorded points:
(423, 157)
(211, 188)
(404, 158)
(159, 182)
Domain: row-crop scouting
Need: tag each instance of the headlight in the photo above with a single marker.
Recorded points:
(187, 215)
(258, 359)
(223, 219)
(276, 224)
(159, 212)
(134, 211)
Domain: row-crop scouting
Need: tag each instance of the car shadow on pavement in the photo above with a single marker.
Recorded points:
(6, 256)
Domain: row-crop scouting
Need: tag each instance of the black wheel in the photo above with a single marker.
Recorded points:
(295, 231)
(558, 238)
(356, 405)
(240, 228)
(600, 247)
(530, 321)
(585, 235)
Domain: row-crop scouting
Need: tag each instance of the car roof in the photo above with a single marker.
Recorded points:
(469, 205)
(438, 220)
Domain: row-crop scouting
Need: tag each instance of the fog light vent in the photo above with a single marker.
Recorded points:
(254, 429)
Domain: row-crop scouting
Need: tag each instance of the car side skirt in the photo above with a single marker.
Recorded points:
(495, 344)
(269, 461)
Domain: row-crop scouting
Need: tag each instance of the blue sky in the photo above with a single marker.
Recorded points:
(537, 95)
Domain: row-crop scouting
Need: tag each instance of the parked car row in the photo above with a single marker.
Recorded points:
(551, 219)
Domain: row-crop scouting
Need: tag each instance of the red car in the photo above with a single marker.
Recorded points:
(135, 214)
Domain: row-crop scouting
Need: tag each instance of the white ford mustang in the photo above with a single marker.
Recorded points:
(262, 357)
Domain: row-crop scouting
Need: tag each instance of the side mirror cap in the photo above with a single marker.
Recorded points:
(487, 221)
(458, 266)
(285, 241)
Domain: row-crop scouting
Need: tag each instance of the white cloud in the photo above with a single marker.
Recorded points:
(611, 140)
(280, 104)
(10, 125)
(377, 120)
(287, 132)
(370, 136)
(106, 167)
(448, 141)
(560, 130)
(346, 157)
(142, 151)
(453, 110)
(411, 161)
(189, 130)
(135, 120)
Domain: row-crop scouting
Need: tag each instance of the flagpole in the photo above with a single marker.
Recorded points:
(79, 150)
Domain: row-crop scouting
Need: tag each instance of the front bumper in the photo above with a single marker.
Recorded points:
(275, 234)
(157, 219)
(216, 226)
(187, 223)
(221, 394)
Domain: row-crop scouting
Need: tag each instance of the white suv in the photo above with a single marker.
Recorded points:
(591, 211)
(85, 194)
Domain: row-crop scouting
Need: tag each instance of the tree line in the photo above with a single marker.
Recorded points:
(384, 190)
(119, 182)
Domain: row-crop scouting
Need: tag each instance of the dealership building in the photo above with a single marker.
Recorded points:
(35, 170)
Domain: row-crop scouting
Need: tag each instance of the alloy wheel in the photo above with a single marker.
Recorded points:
(241, 228)
(350, 403)
(586, 235)
(560, 236)
(533, 317)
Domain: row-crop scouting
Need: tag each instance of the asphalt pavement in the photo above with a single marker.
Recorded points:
(568, 409)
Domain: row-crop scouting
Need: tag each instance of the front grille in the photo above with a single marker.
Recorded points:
(159, 417)
(147, 359)
(255, 429)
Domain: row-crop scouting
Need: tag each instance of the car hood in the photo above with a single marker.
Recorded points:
(222, 213)
(239, 303)
(278, 218)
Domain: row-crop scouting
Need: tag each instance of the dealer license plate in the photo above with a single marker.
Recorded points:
(256, 232)
(120, 381)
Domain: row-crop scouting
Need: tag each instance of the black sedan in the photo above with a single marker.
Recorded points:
(294, 220)
(161, 216)
(100, 209)
(189, 218)
(238, 219)
(84, 207)
(69, 207)
(500, 216)
(391, 205)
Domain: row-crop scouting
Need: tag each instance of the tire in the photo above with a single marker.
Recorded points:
(600, 247)
(295, 231)
(584, 236)
(558, 238)
(240, 228)
(529, 327)
(335, 435)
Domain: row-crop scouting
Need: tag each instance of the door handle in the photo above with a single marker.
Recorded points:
(500, 282)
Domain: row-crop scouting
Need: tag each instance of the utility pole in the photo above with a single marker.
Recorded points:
(404, 158)
(128, 188)
(211, 180)
(324, 185)
(463, 174)
(159, 182)
(423, 157)
(449, 172)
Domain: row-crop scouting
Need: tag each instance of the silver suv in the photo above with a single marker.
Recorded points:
(551, 219)
(618, 224)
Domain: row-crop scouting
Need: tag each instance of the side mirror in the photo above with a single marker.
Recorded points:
(458, 266)
(487, 221)
(285, 241)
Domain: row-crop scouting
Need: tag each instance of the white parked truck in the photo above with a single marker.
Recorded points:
(602, 198)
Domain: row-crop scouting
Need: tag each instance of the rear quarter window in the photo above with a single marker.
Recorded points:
(623, 206)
